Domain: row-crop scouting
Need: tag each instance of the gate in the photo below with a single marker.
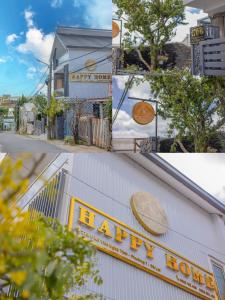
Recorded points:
(84, 130)
(208, 58)
(212, 56)
(101, 133)
(59, 128)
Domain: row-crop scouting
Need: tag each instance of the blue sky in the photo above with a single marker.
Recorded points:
(27, 31)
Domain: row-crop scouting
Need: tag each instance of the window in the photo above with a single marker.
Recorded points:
(219, 274)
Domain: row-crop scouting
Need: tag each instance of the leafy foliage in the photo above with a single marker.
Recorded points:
(56, 107)
(108, 109)
(22, 100)
(39, 258)
(194, 107)
(150, 23)
(40, 101)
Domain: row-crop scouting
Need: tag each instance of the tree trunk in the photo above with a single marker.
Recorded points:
(154, 59)
(201, 144)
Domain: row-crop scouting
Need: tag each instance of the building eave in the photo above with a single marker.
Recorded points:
(171, 176)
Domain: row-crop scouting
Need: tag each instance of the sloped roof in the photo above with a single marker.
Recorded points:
(84, 37)
(170, 175)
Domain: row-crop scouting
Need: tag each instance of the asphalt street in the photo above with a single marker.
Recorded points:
(11, 143)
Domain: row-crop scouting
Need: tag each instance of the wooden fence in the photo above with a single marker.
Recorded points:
(101, 135)
(95, 131)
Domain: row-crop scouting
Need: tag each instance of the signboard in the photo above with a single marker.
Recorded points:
(115, 29)
(91, 77)
(198, 36)
(117, 239)
(91, 64)
(203, 32)
(147, 211)
(143, 113)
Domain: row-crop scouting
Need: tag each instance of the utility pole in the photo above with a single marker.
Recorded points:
(49, 94)
(49, 99)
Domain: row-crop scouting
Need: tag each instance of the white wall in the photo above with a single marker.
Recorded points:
(97, 178)
(89, 90)
(107, 181)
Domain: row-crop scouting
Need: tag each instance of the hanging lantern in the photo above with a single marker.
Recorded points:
(115, 29)
(143, 113)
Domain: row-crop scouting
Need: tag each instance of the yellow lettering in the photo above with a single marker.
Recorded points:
(209, 281)
(185, 269)
(87, 217)
(171, 262)
(149, 249)
(104, 228)
(120, 234)
(197, 276)
(135, 242)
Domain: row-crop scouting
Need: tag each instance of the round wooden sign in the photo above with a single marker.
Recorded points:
(115, 29)
(143, 113)
(90, 64)
(149, 213)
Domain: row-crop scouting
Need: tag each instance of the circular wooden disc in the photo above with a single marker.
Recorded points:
(115, 29)
(149, 213)
(90, 64)
(143, 113)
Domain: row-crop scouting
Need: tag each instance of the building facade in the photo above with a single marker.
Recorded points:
(215, 9)
(81, 63)
(7, 120)
(159, 235)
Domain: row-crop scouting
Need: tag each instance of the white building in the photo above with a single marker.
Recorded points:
(81, 62)
(215, 9)
(28, 114)
(159, 235)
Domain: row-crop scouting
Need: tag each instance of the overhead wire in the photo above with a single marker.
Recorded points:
(83, 55)
(121, 101)
(103, 58)
(75, 58)
(42, 77)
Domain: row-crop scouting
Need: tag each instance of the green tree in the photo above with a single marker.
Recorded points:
(22, 100)
(39, 258)
(150, 23)
(108, 110)
(56, 107)
(194, 107)
(40, 101)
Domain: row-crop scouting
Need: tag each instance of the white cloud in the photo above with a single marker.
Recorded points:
(126, 127)
(3, 60)
(31, 72)
(56, 3)
(43, 88)
(11, 38)
(141, 90)
(37, 43)
(29, 14)
(191, 19)
(98, 12)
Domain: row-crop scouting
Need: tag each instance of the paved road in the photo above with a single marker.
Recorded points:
(11, 142)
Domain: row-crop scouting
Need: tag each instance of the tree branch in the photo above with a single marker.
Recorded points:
(142, 59)
(178, 141)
